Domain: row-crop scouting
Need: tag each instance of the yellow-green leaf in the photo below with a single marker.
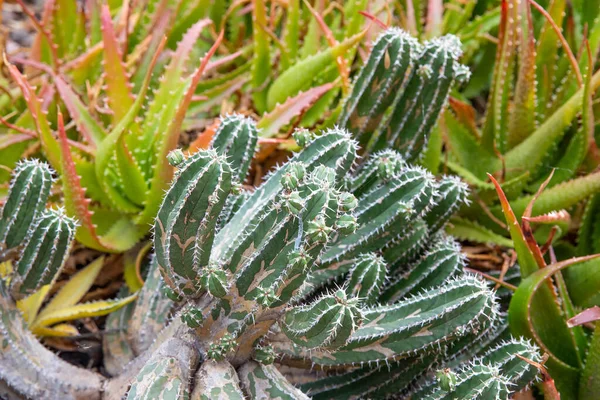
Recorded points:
(75, 289)
(95, 309)
(60, 330)
(6, 269)
(31, 304)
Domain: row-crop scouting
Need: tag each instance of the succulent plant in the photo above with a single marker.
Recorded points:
(264, 289)
(38, 241)
(539, 116)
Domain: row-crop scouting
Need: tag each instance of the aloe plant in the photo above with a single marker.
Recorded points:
(542, 309)
(538, 120)
(119, 163)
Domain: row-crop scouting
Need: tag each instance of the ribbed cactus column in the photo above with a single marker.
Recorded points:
(452, 193)
(27, 196)
(45, 251)
(439, 263)
(366, 278)
(327, 323)
(400, 92)
(384, 76)
(185, 226)
(334, 148)
(236, 138)
(417, 325)
(416, 109)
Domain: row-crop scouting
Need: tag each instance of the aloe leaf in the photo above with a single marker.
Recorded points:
(496, 119)
(134, 184)
(118, 87)
(462, 144)
(77, 286)
(529, 154)
(291, 34)
(547, 51)
(283, 114)
(92, 309)
(49, 142)
(522, 119)
(466, 229)
(163, 172)
(551, 332)
(299, 76)
(589, 384)
(578, 145)
(261, 62)
(75, 201)
(562, 196)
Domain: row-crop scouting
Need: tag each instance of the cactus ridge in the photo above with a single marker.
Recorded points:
(419, 100)
(439, 263)
(452, 193)
(184, 228)
(326, 323)
(406, 246)
(27, 195)
(333, 148)
(475, 381)
(367, 277)
(409, 327)
(379, 168)
(504, 355)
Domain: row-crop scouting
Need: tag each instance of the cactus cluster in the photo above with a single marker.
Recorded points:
(400, 92)
(332, 263)
(328, 264)
(42, 238)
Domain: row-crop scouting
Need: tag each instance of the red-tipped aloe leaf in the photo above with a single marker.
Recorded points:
(49, 143)
(527, 260)
(533, 316)
(76, 203)
(293, 107)
(118, 87)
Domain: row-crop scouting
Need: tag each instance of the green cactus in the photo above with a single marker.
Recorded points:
(366, 277)
(45, 251)
(384, 75)
(28, 193)
(236, 138)
(258, 286)
(326, 323)
(399, 94)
